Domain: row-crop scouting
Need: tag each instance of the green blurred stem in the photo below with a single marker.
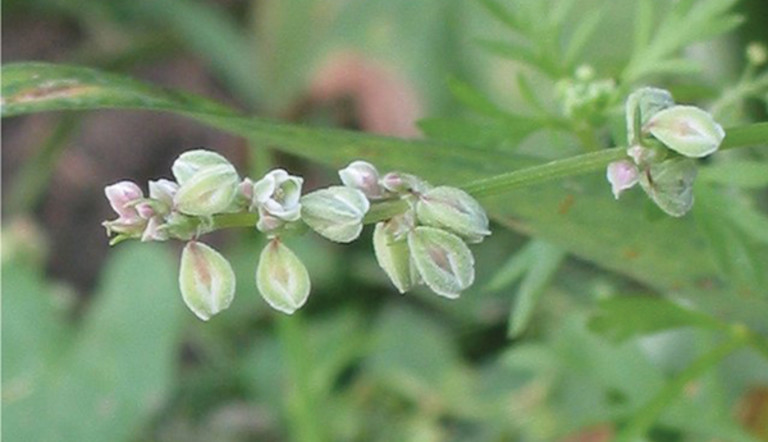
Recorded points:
(644, 419)
(302, 407)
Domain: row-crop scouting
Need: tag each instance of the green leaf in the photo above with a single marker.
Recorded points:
(621, 318)
(120, 369)
(545, 259)
(741, 173)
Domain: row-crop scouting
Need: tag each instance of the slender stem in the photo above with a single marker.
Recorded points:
(576, 165)
(384, 211)
(648, 414)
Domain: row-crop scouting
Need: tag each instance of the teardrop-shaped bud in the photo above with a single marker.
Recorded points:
(641, 105)
(444, 261)
(120, 196)
(687, 130)
(193, 161)
(453, 210)
(670, 185)
(209, 191)
(335, 213)
(397, 182)
(393, 257)
(281, 278)
(206, 280)
(622, 175)
(363, 176)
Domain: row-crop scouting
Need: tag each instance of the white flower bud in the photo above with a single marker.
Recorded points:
(393, 257)
(453, 210)
(209, 191)
(444, 261)
(206, 279)
(191, 162)
(278, 194)
(335, 213)
(281, 278)
(363, 176)
(163, 190)
(687, 130)
(622, 175)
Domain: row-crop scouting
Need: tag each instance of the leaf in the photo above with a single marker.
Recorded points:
(120, 369)
(621, 318)
(544, 259)
(741, 173)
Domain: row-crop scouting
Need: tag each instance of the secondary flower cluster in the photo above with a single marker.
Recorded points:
(423, 241)
(664, 139)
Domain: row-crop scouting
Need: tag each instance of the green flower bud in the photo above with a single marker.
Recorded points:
(687, 130)
(191, 162)
(393, 257)
(281, 278)
(443, 260)
(206, 280)
(641, 105)
(209, 191)
(335, 213)
(670, 185)
(453, 210)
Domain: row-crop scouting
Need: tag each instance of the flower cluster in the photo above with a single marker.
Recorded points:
(426, 243)
(423, 241)
(664, 140)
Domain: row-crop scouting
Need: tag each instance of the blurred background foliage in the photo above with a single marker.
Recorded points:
(97, 346)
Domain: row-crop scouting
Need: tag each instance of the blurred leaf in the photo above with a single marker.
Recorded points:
(740, 261)
(621, 318)
(544, 259)
(744, 173)
(34, 333)
(119, 370)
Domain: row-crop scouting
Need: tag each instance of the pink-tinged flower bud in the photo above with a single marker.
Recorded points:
(335, 213)
(362, 176)
(393, 257)
(206, 280)
(453, 210)
(121, 195)
(209, 191)
(281, 278)
(191, 162)
(443, 260)
(622, 175)
(687, 130)
(397, 182)
(278, 195)
(163, 190)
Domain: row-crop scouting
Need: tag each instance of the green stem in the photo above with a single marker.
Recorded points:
(575, 165)
(650, 412)
(301, 404)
